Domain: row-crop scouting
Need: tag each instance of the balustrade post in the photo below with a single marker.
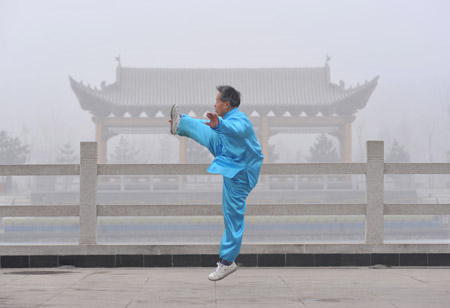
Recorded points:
(88, 193)
(375, 192)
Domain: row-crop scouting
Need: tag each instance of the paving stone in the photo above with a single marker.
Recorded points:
(248, 287)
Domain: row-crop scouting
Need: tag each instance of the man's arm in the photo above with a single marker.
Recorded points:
(231, 127)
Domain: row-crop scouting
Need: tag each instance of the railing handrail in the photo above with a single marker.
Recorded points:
(89, 170)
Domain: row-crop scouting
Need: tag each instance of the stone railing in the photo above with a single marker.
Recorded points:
(88, 209)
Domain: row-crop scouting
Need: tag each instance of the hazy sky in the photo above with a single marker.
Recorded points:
(407, 43)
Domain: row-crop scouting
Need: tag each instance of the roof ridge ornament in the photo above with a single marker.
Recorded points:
(327, 59)
(118, 71)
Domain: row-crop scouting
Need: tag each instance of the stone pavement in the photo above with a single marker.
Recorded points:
(249, 287)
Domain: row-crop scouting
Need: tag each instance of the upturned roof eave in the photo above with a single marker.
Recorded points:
(97, 101)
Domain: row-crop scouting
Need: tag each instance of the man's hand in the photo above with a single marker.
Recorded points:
(213, 118)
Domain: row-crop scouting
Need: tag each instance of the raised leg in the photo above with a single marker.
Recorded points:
(197, 130)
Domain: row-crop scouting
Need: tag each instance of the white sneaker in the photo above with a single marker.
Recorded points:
(175, 118)
(222, 271)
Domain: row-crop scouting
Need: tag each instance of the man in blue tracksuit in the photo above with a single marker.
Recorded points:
(230, 138)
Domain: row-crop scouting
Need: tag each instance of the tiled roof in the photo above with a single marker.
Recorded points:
(138, 90)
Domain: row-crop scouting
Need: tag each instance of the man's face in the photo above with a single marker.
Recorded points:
(221, 107)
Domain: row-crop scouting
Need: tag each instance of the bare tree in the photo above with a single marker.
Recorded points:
(431, 129)
(445, 99)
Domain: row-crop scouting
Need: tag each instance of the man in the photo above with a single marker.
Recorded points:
(230, 138)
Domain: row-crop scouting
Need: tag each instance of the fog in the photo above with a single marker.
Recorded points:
(406, 43)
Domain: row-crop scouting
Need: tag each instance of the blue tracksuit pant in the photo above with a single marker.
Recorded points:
(235, 190)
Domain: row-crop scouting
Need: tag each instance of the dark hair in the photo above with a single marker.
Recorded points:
(230, 94)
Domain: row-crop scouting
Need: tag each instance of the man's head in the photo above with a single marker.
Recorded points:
(227, 99)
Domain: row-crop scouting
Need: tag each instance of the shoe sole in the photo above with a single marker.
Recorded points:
(173, 115)
(231, 272)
